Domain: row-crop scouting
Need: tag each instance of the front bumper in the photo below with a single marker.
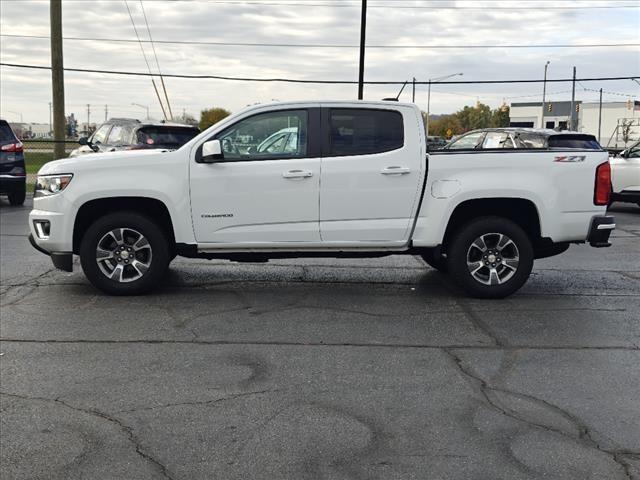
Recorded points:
(63, 261)
(601, 228)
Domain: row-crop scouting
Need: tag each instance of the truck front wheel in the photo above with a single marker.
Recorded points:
(124, 253)
(490, 257)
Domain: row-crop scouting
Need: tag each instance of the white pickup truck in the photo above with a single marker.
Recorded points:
(334, 179)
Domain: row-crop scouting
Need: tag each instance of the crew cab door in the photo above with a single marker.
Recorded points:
(265, 190)
(373, 170)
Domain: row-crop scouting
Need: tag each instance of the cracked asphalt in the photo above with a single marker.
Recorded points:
(322, 368)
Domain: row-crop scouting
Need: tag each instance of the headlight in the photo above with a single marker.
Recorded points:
(51, 184)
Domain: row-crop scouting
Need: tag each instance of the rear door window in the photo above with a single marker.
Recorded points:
(364, 131)
(497, 140)
(119, 135)
(529, 140)
(171, 137)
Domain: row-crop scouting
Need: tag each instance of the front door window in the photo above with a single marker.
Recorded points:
(272, 135)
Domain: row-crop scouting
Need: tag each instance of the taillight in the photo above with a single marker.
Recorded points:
(12, 147)
(602, 190)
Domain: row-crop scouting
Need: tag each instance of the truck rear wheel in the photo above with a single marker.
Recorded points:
(124, 253)
(490, 257)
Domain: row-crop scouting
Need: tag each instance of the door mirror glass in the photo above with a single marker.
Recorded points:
(211, 151)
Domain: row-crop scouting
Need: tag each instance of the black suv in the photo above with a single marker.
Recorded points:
(13, 177)
(130, 134)
(522, 138)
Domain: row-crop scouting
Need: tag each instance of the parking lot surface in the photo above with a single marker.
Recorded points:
(323, 368)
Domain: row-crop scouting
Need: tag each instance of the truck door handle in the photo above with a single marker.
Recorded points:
(297, 174)
(395, 170)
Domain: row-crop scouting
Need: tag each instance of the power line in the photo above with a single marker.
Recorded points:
(323, 82)
(145, 58)
(312, 45)
(419, 7)
(164, 88)
(604, 91)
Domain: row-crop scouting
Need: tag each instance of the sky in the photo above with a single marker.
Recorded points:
(464, 24)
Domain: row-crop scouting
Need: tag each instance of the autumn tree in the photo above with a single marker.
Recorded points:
(469, 118)
(212, 115)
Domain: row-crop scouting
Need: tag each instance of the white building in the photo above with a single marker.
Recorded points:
(620, 120)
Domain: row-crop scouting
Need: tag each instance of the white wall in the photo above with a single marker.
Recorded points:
(526, 114)
(612, 113)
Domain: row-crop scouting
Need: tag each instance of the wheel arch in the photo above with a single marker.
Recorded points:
(521, 211)
(96, 208)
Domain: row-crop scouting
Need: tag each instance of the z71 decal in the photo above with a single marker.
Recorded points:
(569, 158)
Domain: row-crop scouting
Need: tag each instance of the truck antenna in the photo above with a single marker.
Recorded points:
(397, 97)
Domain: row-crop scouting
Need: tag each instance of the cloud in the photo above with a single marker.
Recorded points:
(29, 91)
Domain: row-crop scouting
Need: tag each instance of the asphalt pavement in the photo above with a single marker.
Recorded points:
(321, 368)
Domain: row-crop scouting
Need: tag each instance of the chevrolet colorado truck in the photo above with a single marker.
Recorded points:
(335, 179)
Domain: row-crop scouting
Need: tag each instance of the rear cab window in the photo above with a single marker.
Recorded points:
(364, 131)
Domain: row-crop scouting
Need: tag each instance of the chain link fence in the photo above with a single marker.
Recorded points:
(39, 152)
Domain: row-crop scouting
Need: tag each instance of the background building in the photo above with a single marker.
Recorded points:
(620, 120)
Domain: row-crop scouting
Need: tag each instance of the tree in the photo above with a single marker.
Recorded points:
(212, 115)
(500, 117)
(469, 118)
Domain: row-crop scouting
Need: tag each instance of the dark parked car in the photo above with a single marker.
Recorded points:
(13, 177)
(435, 142)
(497, 138)
(131, 134)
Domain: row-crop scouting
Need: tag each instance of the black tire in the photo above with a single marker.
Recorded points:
(439, 262)
(513, 278)
(17, 197)
(158, 255)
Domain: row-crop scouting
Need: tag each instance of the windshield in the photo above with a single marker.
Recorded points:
(154, 137)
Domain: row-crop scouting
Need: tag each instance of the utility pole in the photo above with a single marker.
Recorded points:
(57, 77)
(413, 94)
(363, 29)
(88, 117)
(544, 93)
(50, 129)
(600, 116)
(106, 112)
(573, 101)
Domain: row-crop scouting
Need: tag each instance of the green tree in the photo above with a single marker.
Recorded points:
(212, 115)
(500, 117)
(469, 118)
(475, 117)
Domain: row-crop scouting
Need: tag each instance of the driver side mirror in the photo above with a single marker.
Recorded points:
(83, 141)
(211, 151)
